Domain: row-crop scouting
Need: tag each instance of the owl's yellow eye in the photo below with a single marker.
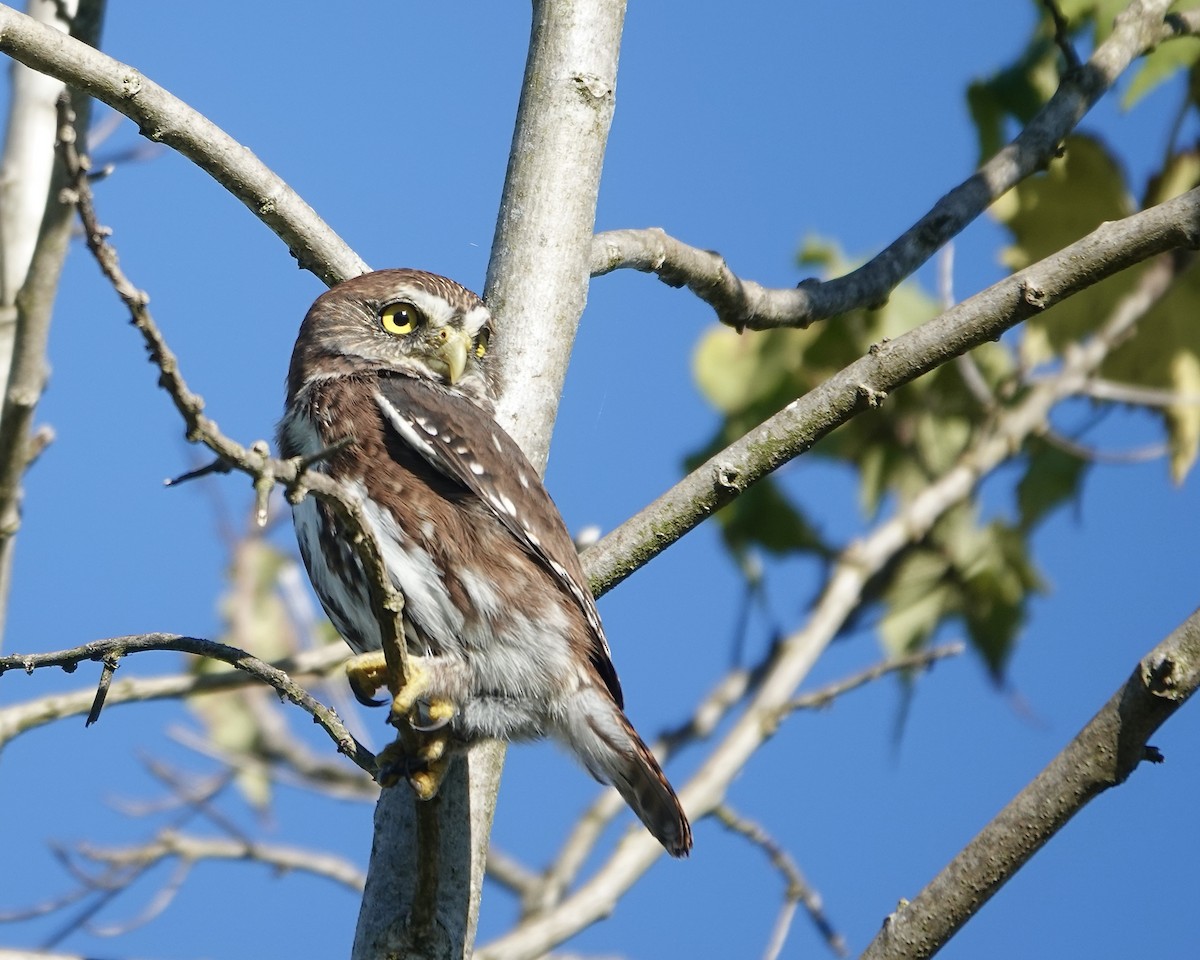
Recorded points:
(401, 318)
(481, 342)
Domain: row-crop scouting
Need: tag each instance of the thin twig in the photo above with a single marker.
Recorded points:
(171, 844)
(1153, 451)
(796, 888)
(1062, 35)
(921, 659)
(21, 717)
(254, 460)
(100, 649)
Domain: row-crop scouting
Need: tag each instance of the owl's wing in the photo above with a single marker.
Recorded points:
(465, 444)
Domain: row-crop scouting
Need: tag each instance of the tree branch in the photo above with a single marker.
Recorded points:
(164, 118)
(119, 647)
(795, 654)
(864, 384)
(35, 232)
(744, 304)
(796, 889)
(22, 717)
(171, 844)
(1101, 756)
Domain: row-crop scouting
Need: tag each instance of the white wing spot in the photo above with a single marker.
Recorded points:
(496, 443)
(509, 506)
(477, 469)
(524, 480)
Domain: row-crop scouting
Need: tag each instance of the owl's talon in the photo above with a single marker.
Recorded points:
(366, 673)
(392, 765)
(428, 716)
(426, 782)
(424, 773)
(405, 700)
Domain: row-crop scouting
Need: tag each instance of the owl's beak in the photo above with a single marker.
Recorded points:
(452, 351)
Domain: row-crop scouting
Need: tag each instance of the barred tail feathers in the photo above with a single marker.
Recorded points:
(605, 742)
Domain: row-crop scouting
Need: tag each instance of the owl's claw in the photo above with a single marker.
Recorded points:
(428, 716)
(424, 772)
(367, 672)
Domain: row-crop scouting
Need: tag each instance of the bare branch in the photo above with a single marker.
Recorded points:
(35, 230)
(164, 118)
(921, 659)
(21, 717)
(1062, 35)
(1100, 389)
(744, 304)
(171, 844)
(861, 386)
(1154, 451)
(796, 888)
(842, 594)
(118, 647)
(1103, 755)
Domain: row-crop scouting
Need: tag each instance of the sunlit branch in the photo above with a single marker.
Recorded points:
(864, 384)
(120, 647)
(744, 304)
(164, 118)
(21, 717)
(842, 594)
(1102, 755)
(171, 844)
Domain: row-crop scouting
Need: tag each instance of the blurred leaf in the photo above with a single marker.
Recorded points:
(1052, 477)
(257, 621)
(1159, 65)
(981, 575)
(1183, 419)
(916, 600)
(764, 517)
(1017, 92)
(1079, 191)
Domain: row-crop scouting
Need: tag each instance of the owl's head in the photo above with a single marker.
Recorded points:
(405, 321)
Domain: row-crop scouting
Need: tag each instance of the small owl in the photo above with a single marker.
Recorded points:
(394, 365)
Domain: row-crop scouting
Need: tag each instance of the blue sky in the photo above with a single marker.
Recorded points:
(743, 132)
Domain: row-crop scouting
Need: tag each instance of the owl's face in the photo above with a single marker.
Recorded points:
(404, 321)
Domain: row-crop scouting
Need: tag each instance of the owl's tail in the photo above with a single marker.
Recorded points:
(604, 739)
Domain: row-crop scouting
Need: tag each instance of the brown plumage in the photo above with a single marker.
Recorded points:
(496, 603)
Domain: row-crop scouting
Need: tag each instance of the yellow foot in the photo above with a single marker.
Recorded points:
(367, 673)
(415, 684)
(426, 782)
(424, 773)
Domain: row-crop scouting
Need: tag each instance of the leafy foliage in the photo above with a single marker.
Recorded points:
(970, 568)
(975, 571)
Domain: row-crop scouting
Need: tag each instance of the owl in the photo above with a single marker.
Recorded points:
(390, 378)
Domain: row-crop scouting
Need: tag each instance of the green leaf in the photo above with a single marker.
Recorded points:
(1052, 477)
(1079, 191)
(764, 517)
(1160, 65)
